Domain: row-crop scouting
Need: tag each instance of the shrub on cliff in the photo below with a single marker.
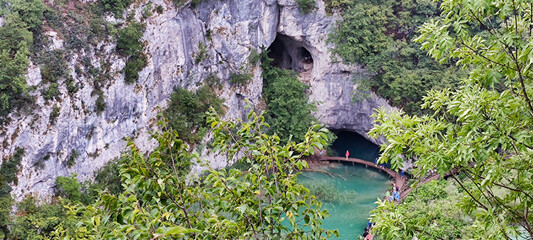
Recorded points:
(289, 110)
(186, 112)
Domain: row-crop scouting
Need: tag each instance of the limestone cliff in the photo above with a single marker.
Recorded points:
(227, 30)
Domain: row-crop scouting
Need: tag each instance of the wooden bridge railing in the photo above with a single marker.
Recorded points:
(398, 179)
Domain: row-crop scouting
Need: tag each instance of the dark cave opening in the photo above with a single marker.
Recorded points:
(288, 53)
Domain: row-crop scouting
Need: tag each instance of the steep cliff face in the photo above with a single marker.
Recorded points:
(224, 34)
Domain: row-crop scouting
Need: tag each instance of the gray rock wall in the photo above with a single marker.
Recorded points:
(229, 29)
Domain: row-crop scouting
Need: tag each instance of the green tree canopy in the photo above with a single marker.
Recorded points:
(484, 129)
(378, 35)
(160, 202)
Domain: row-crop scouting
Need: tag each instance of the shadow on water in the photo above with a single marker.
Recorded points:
(349, 191)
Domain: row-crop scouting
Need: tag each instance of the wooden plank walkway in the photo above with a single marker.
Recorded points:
(398, 179)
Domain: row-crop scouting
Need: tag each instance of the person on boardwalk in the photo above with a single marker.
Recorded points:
(397, 196)
(387, 196)
(347, 154)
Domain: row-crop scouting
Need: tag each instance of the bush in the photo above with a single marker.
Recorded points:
(129, 39)
(54, 114)
(213, 81)
(10, 167)
(33, 221)
(306, 6)
(115, 6)
(134, 65)
(14, 42)
(100, 103)
(288, 109)
(202, 53)
(130, 45)
(30, 11)
(52, 92)
(72, 158)
(72, 87)
(159, 9)
(6, 203)
(147, 11)
(108, 177)
(68, 187)
(240, 79)
(186, 112)
(254, 58)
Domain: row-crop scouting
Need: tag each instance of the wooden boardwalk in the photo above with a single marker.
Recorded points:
(398, 179)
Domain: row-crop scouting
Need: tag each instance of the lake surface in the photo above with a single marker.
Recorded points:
(348, 192)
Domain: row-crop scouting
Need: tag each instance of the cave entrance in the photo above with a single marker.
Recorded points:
(358, 146)
(288, 53)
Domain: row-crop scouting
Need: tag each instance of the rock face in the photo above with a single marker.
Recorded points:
(228, 31)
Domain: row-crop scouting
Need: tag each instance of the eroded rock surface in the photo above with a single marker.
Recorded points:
(228, 30)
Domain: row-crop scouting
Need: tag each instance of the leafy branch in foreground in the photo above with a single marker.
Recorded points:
(160, 202)
(483, 130)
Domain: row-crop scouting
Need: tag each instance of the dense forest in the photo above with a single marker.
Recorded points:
(458, 72)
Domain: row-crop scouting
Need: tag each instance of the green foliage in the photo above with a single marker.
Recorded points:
(130, 45)
(159, 9)
(6, 202)
(202, 53)
(100, 104)
(240, 79)
(255, 57)
(378, 34)
(179, 3)
(263, 202)
(430, 212)
(54, 66)
(34, 221)
(14, 41)
(68, 187)
(54, 114)
(147, 11)
(483, 129)
(50, 220)
(52, 92)
(134, 64)
(15, 36)
(288, 109)
(115, 6)
(72, 158)
(213, 81)
(30, 11)
(186, 112)
(336, 4)
(72, 87)
(129, 39)
(194, 3)
(10, 167)
(8, 174)
(108, 177)
(306, 6)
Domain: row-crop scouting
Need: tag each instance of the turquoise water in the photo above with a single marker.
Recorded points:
(348, 194)
(349, 191)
